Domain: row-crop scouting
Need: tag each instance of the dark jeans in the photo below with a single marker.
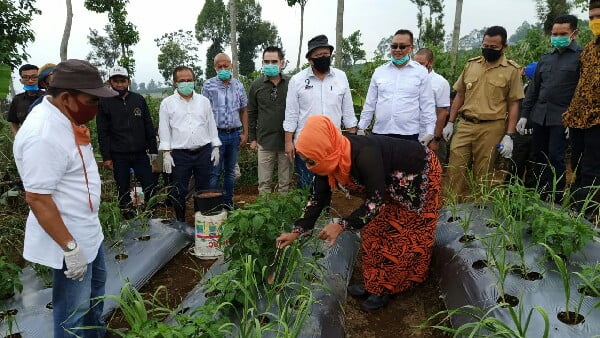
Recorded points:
(414, 137)
(228, 153)
(586, 145)
(122, 165)
(548, 147)
(519, 165)
(189, 162)
(74, 302)
(305, 176)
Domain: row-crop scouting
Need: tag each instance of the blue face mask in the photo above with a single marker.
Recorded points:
(560, 41)
(31, 88)
(401, 61)
(185, 88)
(224, 74)
(270, 70)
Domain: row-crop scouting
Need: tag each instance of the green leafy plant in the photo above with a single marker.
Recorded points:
(590, 275)
(9, 278)
(45, 274)
(111, 221)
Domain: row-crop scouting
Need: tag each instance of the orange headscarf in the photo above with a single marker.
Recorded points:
(323, 143)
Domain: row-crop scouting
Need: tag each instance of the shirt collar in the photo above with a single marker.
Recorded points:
(266, 79)
(310, 73)
(503, 61)
(573, 46)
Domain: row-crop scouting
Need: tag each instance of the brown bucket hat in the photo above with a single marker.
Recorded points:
(82, 76)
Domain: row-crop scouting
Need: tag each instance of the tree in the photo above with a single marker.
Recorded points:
(152, 85)
(530, 48)
(105, 49)
(134, 86)
(142, 87)
(233, 38)
(431, 28)
(125, 32)
(351, 50)
(178, 49)
(520, 33)
(15, 29)
(383, 47)
(66, 33)
(548, 10)
(213, 25)
(302, 4)
(339, 33)
(456, 34)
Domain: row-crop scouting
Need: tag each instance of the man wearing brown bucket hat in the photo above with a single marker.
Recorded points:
(62, 187)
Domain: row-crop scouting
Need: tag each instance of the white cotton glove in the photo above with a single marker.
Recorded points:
(360, 132)
(567, 134)
(168, 162)
(152, 158)
(521, 125)
(425, 139)
(506, 147)
(76, 263)
(448, 131)
(214, 156)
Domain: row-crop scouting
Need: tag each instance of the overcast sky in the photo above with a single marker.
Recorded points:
(374, 18)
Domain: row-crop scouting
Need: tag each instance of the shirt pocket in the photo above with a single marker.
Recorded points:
(497, 89)
(408, 88)
(305, 98)
(471, 83)
(569, 75)
(385, 90)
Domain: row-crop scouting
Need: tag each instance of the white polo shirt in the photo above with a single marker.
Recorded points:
(49, 163)
(308, 95)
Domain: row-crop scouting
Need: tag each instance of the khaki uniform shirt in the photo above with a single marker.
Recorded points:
(489, 90)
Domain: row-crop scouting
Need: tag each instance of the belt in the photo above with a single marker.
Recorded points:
(192, 151)
(228, 130)
(473, 119)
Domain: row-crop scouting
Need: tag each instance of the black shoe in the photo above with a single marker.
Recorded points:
(357, 290)
(375, 302)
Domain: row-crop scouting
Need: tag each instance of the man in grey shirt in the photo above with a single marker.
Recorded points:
(548, 97)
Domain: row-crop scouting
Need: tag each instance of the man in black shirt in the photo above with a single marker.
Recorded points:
(548, 97)
(19, 107)
(126, 137)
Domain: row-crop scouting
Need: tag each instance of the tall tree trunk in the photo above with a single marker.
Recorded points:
(339, 34)
(67, 32)
(302, 5)
(456, 34)
(233, 27)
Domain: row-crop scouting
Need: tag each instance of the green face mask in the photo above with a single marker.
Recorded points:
(270, 70)
(560, 41)
(185, 88)
(224, 74)
(400, 61)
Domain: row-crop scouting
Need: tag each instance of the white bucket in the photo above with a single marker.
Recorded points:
(208, 232)
(137, 196)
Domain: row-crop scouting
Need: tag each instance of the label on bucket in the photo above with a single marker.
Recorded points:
(208, 232)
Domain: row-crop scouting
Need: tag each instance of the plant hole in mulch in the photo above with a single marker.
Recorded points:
(211, 294)
(491, 225)
(454, 219)
(143, 238)
(295, 305)
(481, 206)
(311, 277)
(14, 335)
(511, 247)
(166, 221)
(8, 296)
(518, 270)
(318, 255)
(49, 306)
(466, 238)
(480, 264)
(533, 275)
(529, 231)
(585, 290)
(121, 256)
(512, 301)
(8, 313)
(572, 318)
(264, 320)
(184, 310)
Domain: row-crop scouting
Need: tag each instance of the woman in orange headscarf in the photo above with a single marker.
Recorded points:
(399, 216)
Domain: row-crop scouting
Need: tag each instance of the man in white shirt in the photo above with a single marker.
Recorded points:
(188, 136)
(56, 162)
(317, 90)
(441, 94)
(400, 95)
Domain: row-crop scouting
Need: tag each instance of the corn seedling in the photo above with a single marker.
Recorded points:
(496, 257)
(10, 318)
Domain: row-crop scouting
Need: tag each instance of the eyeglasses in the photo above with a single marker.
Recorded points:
(397, 46)
(29, 77)
(274, 93)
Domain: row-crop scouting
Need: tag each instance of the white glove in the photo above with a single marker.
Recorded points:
(214, 156)
(360, 132)
(152, 157)
(521, 125)
(76, 263)
(168, 162)
(425, 139)
(567, 135)
(448, 131)
(506, 147)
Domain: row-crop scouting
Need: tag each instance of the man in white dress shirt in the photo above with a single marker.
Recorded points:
(317, 90)
(188, 136)
(400, 96)
(441, 94)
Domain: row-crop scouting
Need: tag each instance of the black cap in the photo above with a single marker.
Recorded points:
(82, 76)
(317, 42)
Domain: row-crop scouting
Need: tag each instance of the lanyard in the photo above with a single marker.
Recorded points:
(86, 179)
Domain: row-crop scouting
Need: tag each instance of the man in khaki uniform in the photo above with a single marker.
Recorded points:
(488, 88)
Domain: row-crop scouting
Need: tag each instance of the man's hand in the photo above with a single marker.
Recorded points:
(214, 156)
(168, 162)
(330, 233)
(152, 158)
(289, 150)
(506, 147)
(76, 264)
(425, 139)
(360, 132)
(521, 125)
(448, 131)
(286, 239)
(253, 145)
(108, 164)
(434, 145)
(243, 139)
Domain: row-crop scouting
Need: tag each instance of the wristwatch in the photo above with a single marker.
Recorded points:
(71, 245)
(437, 138)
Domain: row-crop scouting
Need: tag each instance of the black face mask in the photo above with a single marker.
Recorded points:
(121, 92)
(491, 55)
(321, 64)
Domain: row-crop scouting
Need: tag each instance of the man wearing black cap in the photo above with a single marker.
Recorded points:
(126, 137)
(317, 90)
(62, 187)
(19, 107)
